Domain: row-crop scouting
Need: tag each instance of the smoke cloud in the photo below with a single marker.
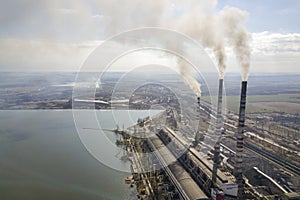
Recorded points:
(206, 28)
(197, 19)
(238, 38)
(186, 72)
(128, 14)
(213, 30)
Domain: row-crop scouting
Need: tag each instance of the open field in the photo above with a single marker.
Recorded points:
(286, 107)
(288, 103)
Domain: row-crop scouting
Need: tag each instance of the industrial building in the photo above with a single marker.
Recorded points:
(196, 175)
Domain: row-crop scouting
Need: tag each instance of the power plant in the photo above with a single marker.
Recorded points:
(195, 174)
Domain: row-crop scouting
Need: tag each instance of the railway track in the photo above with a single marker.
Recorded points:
(275, 159)
(280, 162)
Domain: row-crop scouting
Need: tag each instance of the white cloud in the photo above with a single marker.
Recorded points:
(275, 52)
(69, 30)
(271, 44)
(270, 52)
(66, 11)
(40, 55)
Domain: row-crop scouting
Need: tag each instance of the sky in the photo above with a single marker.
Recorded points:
(59, 35)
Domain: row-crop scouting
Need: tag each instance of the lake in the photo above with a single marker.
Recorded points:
(43, 157)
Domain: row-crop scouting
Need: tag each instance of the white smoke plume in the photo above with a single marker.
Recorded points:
(232, 19)
(186, 72)
(206, 28)
(196, 18)
(128, 14)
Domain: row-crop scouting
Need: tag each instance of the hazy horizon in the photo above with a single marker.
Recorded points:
(60, 35)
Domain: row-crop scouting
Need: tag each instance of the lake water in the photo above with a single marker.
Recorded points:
(42, 156)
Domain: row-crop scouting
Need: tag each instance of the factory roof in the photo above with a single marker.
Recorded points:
(186, 181)
(190, 187)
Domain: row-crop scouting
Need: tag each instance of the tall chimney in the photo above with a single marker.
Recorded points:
(199, 123)
(238, 167)
(219, 106)
(219, 124)
(198, 135)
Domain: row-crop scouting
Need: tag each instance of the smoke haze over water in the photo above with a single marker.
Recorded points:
(196, 18)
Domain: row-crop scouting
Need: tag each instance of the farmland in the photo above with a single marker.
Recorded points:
(287, 103)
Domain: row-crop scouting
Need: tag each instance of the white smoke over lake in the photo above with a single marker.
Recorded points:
(197, 19)
(74, 21)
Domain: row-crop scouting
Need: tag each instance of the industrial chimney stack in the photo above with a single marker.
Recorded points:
(219, 106)
(198, 136)
(238, 167)
(219, 124)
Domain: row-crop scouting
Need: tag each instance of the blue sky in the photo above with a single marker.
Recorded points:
(59, 35)
(269, 15)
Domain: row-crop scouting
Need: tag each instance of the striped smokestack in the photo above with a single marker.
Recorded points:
(238, 172)
(198, 135)
(219, 106)
(219, 124)
(199, 122)
(243, 104)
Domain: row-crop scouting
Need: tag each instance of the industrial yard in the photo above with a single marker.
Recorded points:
(150, 100)
(189, 151)
(216, 155)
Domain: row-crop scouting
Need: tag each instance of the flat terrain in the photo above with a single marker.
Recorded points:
(267, 93)
(273, 103)
(287, 103)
